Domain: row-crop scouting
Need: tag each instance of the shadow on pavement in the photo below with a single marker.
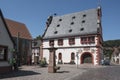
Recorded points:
(18, 73)
(63, 71)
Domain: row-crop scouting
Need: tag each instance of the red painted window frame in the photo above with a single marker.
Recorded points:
(87, 40)
(51, 42)
(71, 41)
(60, 42)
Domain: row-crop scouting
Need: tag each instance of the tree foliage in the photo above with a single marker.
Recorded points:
(39, 37)
(108, 47)
(111, 43)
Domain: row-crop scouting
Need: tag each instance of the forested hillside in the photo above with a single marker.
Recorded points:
(110, 46)
(111, 43)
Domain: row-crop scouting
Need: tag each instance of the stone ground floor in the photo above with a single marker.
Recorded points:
(67, 72)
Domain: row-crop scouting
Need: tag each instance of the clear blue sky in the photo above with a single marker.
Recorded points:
(34, 13)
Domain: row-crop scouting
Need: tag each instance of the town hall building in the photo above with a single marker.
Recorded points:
(77, 37)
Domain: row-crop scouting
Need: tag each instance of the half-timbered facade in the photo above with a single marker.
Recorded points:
(36, 50)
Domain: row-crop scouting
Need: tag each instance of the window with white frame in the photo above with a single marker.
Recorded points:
(3, 53)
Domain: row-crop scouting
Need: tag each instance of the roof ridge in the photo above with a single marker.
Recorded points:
(75, 12)
(14, 21)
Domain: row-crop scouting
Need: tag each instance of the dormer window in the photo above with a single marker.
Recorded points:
(84, 15)
(58, 25)
(60, 19)
(55, 32)
(98, 30)
(72, 23)
(83, 21)
(73, 17)
(70, 30)
(81, 29)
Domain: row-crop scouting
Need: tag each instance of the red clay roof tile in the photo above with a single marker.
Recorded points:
(15, 27)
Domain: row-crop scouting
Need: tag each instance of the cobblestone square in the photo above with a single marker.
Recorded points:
(66, 72)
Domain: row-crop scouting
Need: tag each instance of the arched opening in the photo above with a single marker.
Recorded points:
(72, 56)
(60, 58)
(86, 58)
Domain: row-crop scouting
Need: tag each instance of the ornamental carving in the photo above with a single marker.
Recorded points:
(86, 49)
(92, 50)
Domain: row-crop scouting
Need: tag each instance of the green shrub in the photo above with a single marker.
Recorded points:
(43, 62)
(60, 62)
(72, 62)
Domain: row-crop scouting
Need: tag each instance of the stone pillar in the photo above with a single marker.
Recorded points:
(52, 61)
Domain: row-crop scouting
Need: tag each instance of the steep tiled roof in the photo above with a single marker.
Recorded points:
(16, 27)
(79, 23)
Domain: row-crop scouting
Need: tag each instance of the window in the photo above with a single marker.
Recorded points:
(51, 43)
(91, 39)
(60, 42)
(83, 40)
(87, 40)
(81, 29)
(3, 53)
(72, 23)
(73, 17)
(55, 32)
(60, 19)
(70, 30)
(35, 43)
(83, 21)
(60, 56)
(37, 54)
(72, 56)
(58, 25)
(84, 15)
(71, 41)
(98, 30)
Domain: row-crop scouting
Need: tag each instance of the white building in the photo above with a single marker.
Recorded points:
(116, 56)
(77, 37)
(36, 49)
(6, 46)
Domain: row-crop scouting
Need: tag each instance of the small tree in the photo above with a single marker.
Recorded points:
(39, 37)
(108, 52)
